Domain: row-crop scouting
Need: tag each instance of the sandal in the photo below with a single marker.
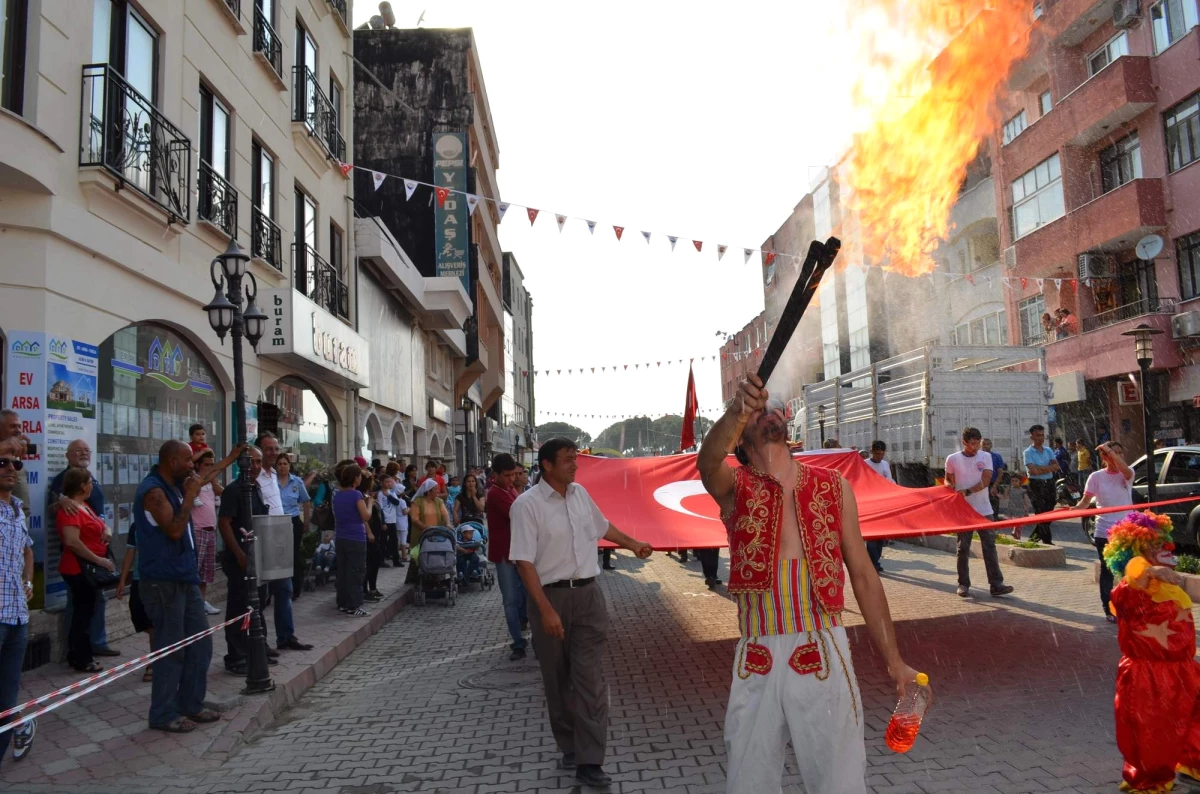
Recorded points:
(180, 725)
(205, 717)
(147, 676)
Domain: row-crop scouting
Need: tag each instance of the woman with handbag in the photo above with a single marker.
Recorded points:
(84, 566)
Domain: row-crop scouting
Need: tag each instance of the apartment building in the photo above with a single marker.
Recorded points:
(1099, 151)
(422, 114)
(740, 355)
(517, 430)
(137, 141)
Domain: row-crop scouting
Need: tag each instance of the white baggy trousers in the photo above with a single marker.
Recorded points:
(820, 710)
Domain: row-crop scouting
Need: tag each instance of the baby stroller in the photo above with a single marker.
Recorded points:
(479, 573)
(437, 566)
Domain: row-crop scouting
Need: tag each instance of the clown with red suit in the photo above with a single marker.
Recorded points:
(1158, 678)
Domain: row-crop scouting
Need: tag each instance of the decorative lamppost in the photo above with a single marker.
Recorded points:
(1143, 339)
(225, 314)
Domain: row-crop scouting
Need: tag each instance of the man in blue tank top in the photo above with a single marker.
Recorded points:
(170, 589)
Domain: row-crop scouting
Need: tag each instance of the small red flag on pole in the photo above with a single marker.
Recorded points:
(691, 408)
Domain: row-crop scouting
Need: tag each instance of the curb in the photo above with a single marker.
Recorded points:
(1047, 557)
(260, 711)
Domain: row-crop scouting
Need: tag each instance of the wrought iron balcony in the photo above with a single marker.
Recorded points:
(320, 281)
(265, 239)
(266, 41)
(122, 132)
(314, 109)
(218, 200)
(1129, 311)
(340, 7)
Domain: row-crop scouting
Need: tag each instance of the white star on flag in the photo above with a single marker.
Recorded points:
(409, 187)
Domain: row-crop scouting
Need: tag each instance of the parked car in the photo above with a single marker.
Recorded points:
(1177, 474)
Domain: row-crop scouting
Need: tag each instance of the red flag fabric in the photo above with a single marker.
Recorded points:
(698, 244)
(662, 501)
(532, 214)
(442, 195)
(690, 408)
(619, 230)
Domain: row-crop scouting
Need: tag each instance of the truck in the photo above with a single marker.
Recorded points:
(919, 403)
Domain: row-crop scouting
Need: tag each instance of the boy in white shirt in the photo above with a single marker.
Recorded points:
(394, 508)
(970, 473)
(884, 470)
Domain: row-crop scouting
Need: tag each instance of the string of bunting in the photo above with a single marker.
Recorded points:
(568, 415)
(621, 368)
(442, 194)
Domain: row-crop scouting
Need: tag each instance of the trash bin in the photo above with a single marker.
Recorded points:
(273, 548)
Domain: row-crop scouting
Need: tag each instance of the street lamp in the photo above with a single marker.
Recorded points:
(1143, 339)
(225, 314)
(821, 422)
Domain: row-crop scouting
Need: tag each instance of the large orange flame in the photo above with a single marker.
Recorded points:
(931, 73)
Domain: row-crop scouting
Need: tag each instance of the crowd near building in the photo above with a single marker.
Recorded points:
(138, 140)
(1097, 151)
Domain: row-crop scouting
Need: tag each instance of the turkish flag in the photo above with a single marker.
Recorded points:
(661, 501)
(690, 408)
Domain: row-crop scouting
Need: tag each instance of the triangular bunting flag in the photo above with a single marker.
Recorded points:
(560, 372)
(635, 366)
(971, 279)
(1074, 283)
(591, 227)
(442, 194)
(603, 369)
(472, 203)
(1058, 283)
(524, 373)
(660, 363)
(746, 254)
(593, 370)
(503, 209)
(1040, 282)
(626, 366)
(1007, 281)
(673, 240)
(409, 187)
(721, 249)
(378, 178)
(1024, 282)
(561, 219)
(619, 230)
(570, 372)
(770, 257)
(647, 236)
(345, 168)
(698, 244)
(532, 214)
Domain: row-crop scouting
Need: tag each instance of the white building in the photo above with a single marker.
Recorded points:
(135, 142)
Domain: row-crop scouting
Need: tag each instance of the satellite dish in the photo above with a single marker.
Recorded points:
(385, 9)
(1149, 247)
(377, 22)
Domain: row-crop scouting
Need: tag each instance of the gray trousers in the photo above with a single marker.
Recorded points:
(987, 542)
(573, 670)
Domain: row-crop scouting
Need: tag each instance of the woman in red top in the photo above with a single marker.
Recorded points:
(84, 540)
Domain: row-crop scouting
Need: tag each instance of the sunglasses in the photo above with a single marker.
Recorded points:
(16, 464)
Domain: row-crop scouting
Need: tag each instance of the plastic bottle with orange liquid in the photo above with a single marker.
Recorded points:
(906, 719)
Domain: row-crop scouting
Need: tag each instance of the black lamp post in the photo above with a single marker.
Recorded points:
(821, 422)
(1143, 338)
(225, 314)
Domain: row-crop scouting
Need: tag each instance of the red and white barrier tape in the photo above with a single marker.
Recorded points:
(107, 676)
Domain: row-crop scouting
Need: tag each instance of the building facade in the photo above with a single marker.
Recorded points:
(741, 354)
(422, 114)
(135, 143)
(1099, 151)
(517, 423)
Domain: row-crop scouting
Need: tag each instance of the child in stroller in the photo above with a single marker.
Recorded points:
(436, 566)
(471, 545)
(324, 559)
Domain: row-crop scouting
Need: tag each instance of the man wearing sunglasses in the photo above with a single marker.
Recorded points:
(791, 528)
(14, 443)
(16, 589)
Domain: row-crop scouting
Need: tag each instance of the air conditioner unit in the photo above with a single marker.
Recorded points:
(1126, 13)
(1010, 257)
(1186, 325)
(1095, 266)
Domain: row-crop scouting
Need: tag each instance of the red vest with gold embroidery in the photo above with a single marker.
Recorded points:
(755, 523)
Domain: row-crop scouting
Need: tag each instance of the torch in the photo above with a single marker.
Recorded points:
(820, 258)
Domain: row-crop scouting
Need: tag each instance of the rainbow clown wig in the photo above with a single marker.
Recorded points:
(1144, 534)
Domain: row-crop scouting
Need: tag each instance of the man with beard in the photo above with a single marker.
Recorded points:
(791, 527)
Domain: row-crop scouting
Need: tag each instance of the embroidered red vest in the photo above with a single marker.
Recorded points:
(754, 532)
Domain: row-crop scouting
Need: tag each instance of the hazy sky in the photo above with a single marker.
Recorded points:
(656, 116)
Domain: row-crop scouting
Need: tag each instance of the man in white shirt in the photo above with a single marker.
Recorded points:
(280, 589)
(268, 480)
(970, 472)
(884, 470)
(555, 529)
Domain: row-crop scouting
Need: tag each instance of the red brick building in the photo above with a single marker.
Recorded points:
(1100, 147)
(740, 354)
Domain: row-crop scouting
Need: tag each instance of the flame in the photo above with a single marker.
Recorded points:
(931, 73)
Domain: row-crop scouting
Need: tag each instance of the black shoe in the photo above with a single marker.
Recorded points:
(524, 625)
(592, 775)
(712, 583)
(272, 653)
(878, 569)
(237, 669)
(567, 762)
(610, 567)
(517, 655)
(294, 644)
(1001, 590)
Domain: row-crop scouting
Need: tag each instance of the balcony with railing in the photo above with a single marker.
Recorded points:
(218, 201)
(233, 12)
(123, 133)
(1101, 351)
(339, 9)
(265, 239)
(320, 281)
(267, 45)
(314, 110)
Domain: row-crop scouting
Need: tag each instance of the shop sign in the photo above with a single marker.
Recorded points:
(1128, 393)
(440, 411)
(450, 217)
(333, 349)
(51, 384)
(298, 326)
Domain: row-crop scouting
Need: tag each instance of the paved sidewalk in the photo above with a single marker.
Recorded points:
(104, 737)
(431, 703)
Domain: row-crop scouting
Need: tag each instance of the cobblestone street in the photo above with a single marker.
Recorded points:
(431, 703)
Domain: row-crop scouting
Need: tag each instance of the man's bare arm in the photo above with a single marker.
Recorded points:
(614, 535)
(173, 524)
(723, 437)
(868, 591)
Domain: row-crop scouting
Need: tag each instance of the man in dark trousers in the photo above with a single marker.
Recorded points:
(1042, 466)
(233, 562)
(500, 498)
(555, 530)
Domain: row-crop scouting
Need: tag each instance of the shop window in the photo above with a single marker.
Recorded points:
(1183, 132)
(13, 22)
